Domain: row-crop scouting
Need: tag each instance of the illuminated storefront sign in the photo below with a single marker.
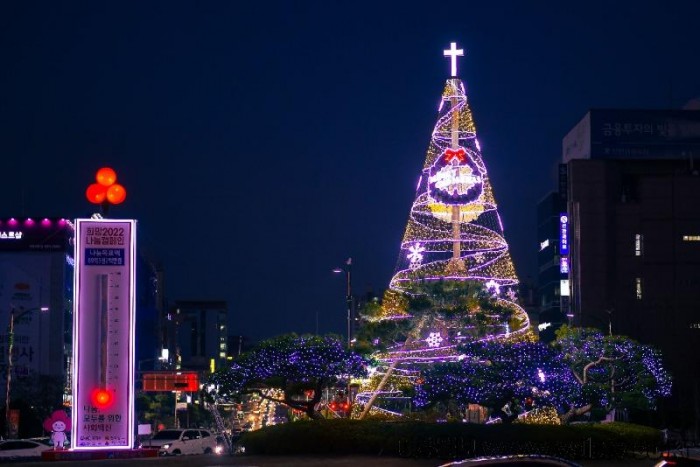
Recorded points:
(10, 235)
(564, 288)
(103, 334)
(564, 265)
(564, 234)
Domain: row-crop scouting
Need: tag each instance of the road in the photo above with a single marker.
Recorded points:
(284, 461)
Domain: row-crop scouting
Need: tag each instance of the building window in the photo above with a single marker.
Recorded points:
(638, 287)
(691, 238)
(638, 244)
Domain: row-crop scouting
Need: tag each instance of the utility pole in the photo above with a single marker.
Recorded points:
(347, 269)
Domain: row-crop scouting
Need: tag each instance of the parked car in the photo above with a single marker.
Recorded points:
(21, 449)
(176, 442)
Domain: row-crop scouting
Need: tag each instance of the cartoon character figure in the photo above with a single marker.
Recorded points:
(58, 424)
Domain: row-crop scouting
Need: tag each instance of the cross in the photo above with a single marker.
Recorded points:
(453, 52)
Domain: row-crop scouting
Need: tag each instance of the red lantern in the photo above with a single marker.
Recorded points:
(96, 193)
(116, 194)
(106, 176)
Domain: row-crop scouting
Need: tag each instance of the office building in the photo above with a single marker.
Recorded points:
(633, 207)
(198, 334)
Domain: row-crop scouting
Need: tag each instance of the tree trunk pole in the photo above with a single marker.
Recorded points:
(409, 340)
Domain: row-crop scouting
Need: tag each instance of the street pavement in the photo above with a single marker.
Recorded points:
(292, 461)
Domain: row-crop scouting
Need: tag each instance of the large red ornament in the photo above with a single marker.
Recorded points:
(116, 194)
(106, 190)
(106, 176)
(96, 193)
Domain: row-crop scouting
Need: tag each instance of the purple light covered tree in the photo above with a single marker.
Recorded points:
(292, 365)
(581, 370)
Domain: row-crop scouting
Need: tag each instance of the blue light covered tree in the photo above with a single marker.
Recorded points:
(291, 365)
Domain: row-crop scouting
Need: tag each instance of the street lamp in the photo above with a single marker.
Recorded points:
(10, 345)
(347, 269)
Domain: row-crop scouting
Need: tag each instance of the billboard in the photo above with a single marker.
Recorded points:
(47, 235)
(634, 134)
(166, 381)
(103, 334)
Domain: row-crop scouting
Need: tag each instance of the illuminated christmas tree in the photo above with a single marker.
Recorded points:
(455, 281)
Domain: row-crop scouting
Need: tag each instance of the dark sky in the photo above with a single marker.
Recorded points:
(262, 143)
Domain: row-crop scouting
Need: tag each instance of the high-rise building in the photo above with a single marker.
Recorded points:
(633, 235)
(198, 337)
(551, 269)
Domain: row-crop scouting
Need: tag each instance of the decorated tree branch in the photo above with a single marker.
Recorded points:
(582, 370)
(615, 371)
(297, 367)
(507, 378)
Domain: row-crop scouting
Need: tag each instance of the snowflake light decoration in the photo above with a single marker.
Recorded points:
(415, 255)
(434, 339)
(540, 375)
(493, 287)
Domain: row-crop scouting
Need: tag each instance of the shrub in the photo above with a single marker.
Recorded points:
(449, 440)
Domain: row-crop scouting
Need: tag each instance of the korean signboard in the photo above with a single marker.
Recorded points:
(103, 334)
(563, 234)
(634, 134)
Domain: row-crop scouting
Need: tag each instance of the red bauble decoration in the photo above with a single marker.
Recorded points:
(116, 194)
(96, 193)
(106, 176)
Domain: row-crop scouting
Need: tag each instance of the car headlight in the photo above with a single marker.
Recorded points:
(218, 449)
(165, 446)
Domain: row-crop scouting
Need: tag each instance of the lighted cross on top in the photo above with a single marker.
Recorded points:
(453, 52)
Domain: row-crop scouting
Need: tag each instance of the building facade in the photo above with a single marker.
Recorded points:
(36, 289)
(551, 269)
(633, 205)
(198, 334)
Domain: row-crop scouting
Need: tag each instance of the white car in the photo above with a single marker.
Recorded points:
(21, 449)
(177, 442)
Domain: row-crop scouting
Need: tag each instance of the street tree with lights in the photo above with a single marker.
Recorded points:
(291, 370)
(614, 371)
(508, 378)
(582, 370)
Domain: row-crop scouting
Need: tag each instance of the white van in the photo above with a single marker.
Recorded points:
(177, 442)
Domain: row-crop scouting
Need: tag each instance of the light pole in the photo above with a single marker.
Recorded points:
(347, 269)
(10, 345)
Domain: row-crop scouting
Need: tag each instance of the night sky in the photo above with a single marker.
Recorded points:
(263, 143)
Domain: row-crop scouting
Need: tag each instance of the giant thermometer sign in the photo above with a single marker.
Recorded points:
(103, 334)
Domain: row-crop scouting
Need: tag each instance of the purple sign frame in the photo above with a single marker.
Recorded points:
(103, 334)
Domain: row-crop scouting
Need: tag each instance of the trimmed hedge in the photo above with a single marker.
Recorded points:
(450, 440)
